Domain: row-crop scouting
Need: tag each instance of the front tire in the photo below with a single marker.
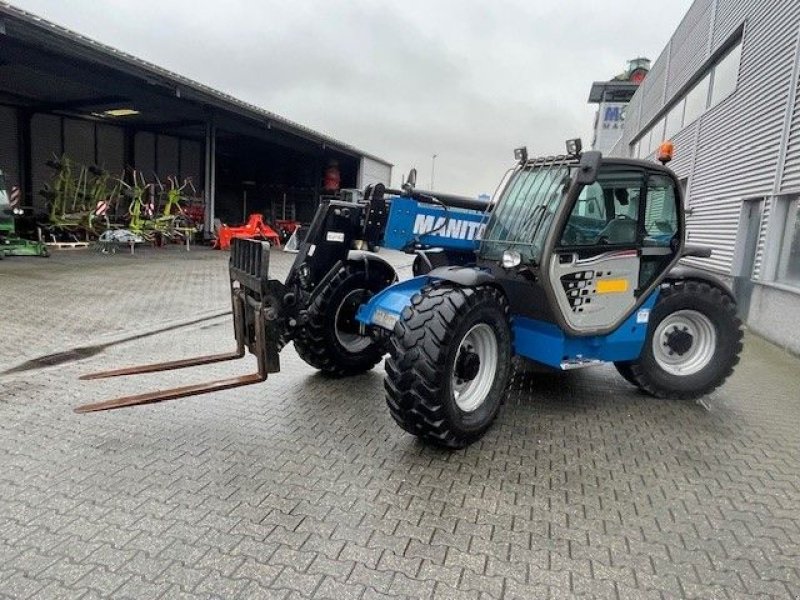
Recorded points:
(330, 340)
(449, 362)
(693, 342)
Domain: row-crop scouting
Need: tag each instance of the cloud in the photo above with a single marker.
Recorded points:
(467, 80)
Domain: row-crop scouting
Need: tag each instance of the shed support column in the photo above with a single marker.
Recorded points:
(210, 177)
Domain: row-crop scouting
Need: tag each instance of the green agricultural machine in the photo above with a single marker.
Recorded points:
(10, 243)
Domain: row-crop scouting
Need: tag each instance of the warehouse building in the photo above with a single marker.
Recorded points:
(64, 94)
(726, 91)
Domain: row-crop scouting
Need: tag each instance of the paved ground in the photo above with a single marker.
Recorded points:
(304, 487)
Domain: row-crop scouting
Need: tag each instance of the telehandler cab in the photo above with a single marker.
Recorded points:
(575, 264)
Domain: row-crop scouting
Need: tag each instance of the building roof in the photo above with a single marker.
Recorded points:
(61, 39)
(612, 90)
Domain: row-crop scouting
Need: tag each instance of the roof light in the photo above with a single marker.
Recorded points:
(665, 152)
(120, 112)
(574, 147)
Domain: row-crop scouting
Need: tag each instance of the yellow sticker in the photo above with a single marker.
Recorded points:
(612, 286)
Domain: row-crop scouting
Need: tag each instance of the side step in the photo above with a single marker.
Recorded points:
(580, 363)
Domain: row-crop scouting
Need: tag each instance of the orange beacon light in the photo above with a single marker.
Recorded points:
(665, 152)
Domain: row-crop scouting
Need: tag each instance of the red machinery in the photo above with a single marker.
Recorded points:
(254, 228)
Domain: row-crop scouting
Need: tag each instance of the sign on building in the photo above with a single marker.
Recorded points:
(609, 125)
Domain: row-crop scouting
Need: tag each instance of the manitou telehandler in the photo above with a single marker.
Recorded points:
(575, 264)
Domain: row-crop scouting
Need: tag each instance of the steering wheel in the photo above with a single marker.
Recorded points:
(572, 235)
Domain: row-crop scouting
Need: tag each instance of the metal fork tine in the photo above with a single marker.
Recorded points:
(173, 393)
(165, 366)
(197, 388)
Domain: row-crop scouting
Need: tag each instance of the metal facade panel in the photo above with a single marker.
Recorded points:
(79, 141)
(684, 151)
(652, 89)
(144, 150)
(45, 143)
(192, 162)
(732, 13)
(632, 118)
(9, 148)
(168, 148)
(714, 223)
(790, 178)
(111, 149)
(731, 152)
(689, 47)
(740, 139)
(373, 172)
(758, 261)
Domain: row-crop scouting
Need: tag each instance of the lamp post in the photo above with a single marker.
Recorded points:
(433, 168)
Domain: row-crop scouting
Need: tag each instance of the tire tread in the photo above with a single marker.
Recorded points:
(415, 368)
(642, 377)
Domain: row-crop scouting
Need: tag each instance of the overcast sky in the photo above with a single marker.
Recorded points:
(468, 80)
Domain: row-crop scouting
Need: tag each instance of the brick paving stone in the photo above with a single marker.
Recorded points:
(303, 487)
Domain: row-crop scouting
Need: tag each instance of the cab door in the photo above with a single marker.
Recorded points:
(618, 237)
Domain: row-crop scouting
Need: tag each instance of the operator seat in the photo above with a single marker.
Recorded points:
(621, 230)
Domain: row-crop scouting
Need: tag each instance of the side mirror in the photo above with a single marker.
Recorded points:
(588, 167)
(411, 181)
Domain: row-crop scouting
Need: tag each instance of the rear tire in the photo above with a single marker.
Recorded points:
(330, 341)
(624, 369)
(449, 363)
(693, 342)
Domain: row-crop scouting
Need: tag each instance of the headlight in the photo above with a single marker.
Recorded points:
(511, 259)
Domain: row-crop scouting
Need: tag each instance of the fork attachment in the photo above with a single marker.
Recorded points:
(258, 325)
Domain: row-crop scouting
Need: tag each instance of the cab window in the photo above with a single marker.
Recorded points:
(606, 212)
(661, 214)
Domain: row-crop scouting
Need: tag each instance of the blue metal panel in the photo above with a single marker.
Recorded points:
(547, 344)
(390, 302)
(452, 229)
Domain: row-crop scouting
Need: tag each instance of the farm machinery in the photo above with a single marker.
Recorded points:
(574, 264)
(88, 203)
(10, 243)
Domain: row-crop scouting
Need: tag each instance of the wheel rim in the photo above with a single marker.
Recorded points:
(684, 342)
(475, 367)
(346, 326)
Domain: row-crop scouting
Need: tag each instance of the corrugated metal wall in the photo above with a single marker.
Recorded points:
(192, 162)
(758, 262)
(732, 152)
(145, 153)
(791, 171)
(168, 149)
(79, 141)
(372, 172)
(111, 148)
(688, 47)
(652, 89)
(45, 142)
(740, 139)
(9, 155)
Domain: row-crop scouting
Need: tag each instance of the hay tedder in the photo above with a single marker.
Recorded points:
(575, 264)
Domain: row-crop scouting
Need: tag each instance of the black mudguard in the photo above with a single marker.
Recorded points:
(463, 276)
(370, 260)
(687, 273)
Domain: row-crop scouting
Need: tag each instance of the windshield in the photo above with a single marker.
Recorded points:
(522, 217)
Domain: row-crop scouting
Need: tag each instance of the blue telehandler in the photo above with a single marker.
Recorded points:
(576, 263)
